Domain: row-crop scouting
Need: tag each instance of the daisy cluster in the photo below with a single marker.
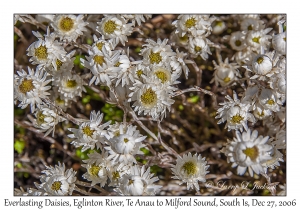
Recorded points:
(263, 100)
(144, 84)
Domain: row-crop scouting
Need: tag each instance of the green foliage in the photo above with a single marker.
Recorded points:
(155, 169)
(112, 113)
(193, 99)
(77, 61)
(84, 155)
(89, 41)
(19, 145)
(145, 151)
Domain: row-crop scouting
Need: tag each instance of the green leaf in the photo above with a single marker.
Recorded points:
(19, 145)
(77, 61)
(193, 99)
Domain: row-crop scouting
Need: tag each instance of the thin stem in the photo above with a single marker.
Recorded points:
(196, 88)
(60, 111)
(47, 138)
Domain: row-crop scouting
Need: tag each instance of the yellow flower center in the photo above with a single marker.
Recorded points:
(155, 57)
(99, 45)
(190, 22)
(41, 52)
(40, 118)
(139, 73)
(149, 98)
(130, 182)
(250, 27)
(88, 131)
(66, 24)
(99, 59)
(284, 39)
(271, 102)
(260, 60)
(238, 43)
(197, 49)
(226, 79)
(116, 175)
(126, 140)
(256, 39)
(252, 153)
(261, 114)
(94, 170)
(71, 83)
(237, 119)
(117, 64)
(219, 23)
(56, 185)
(59, 100)
(110, 26)
(162, 75)
(184, 38)
(59, 63)
(26, 86)
(190, 168)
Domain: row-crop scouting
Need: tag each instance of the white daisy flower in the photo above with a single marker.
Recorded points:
(101, 64)
(46, 50)
(199, 46)
(66, 64)
(190, 169)
(248, 150)
(279, 40)
(235, 113)
(150, 99)
(115, 27)
(225, 73)
(57, 181)
(137, 18)
(261, 113)
(237, 40)
(258, 39)
(125, 73)
(116, 172)
(138, 182)
(47, 119)
(96, 168)
(162, 75)
(156, 53)
(68, 27)
(114, 130)
(269, 100)
(218, 26)
(237, 117)
(276, 156)
(177, 39)
(31, 88)
(139, 70)
(100, 42)
(70, 85)
(123, 147)
(193, 24)
(252, 24)
(90, 133)
(178, 63)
